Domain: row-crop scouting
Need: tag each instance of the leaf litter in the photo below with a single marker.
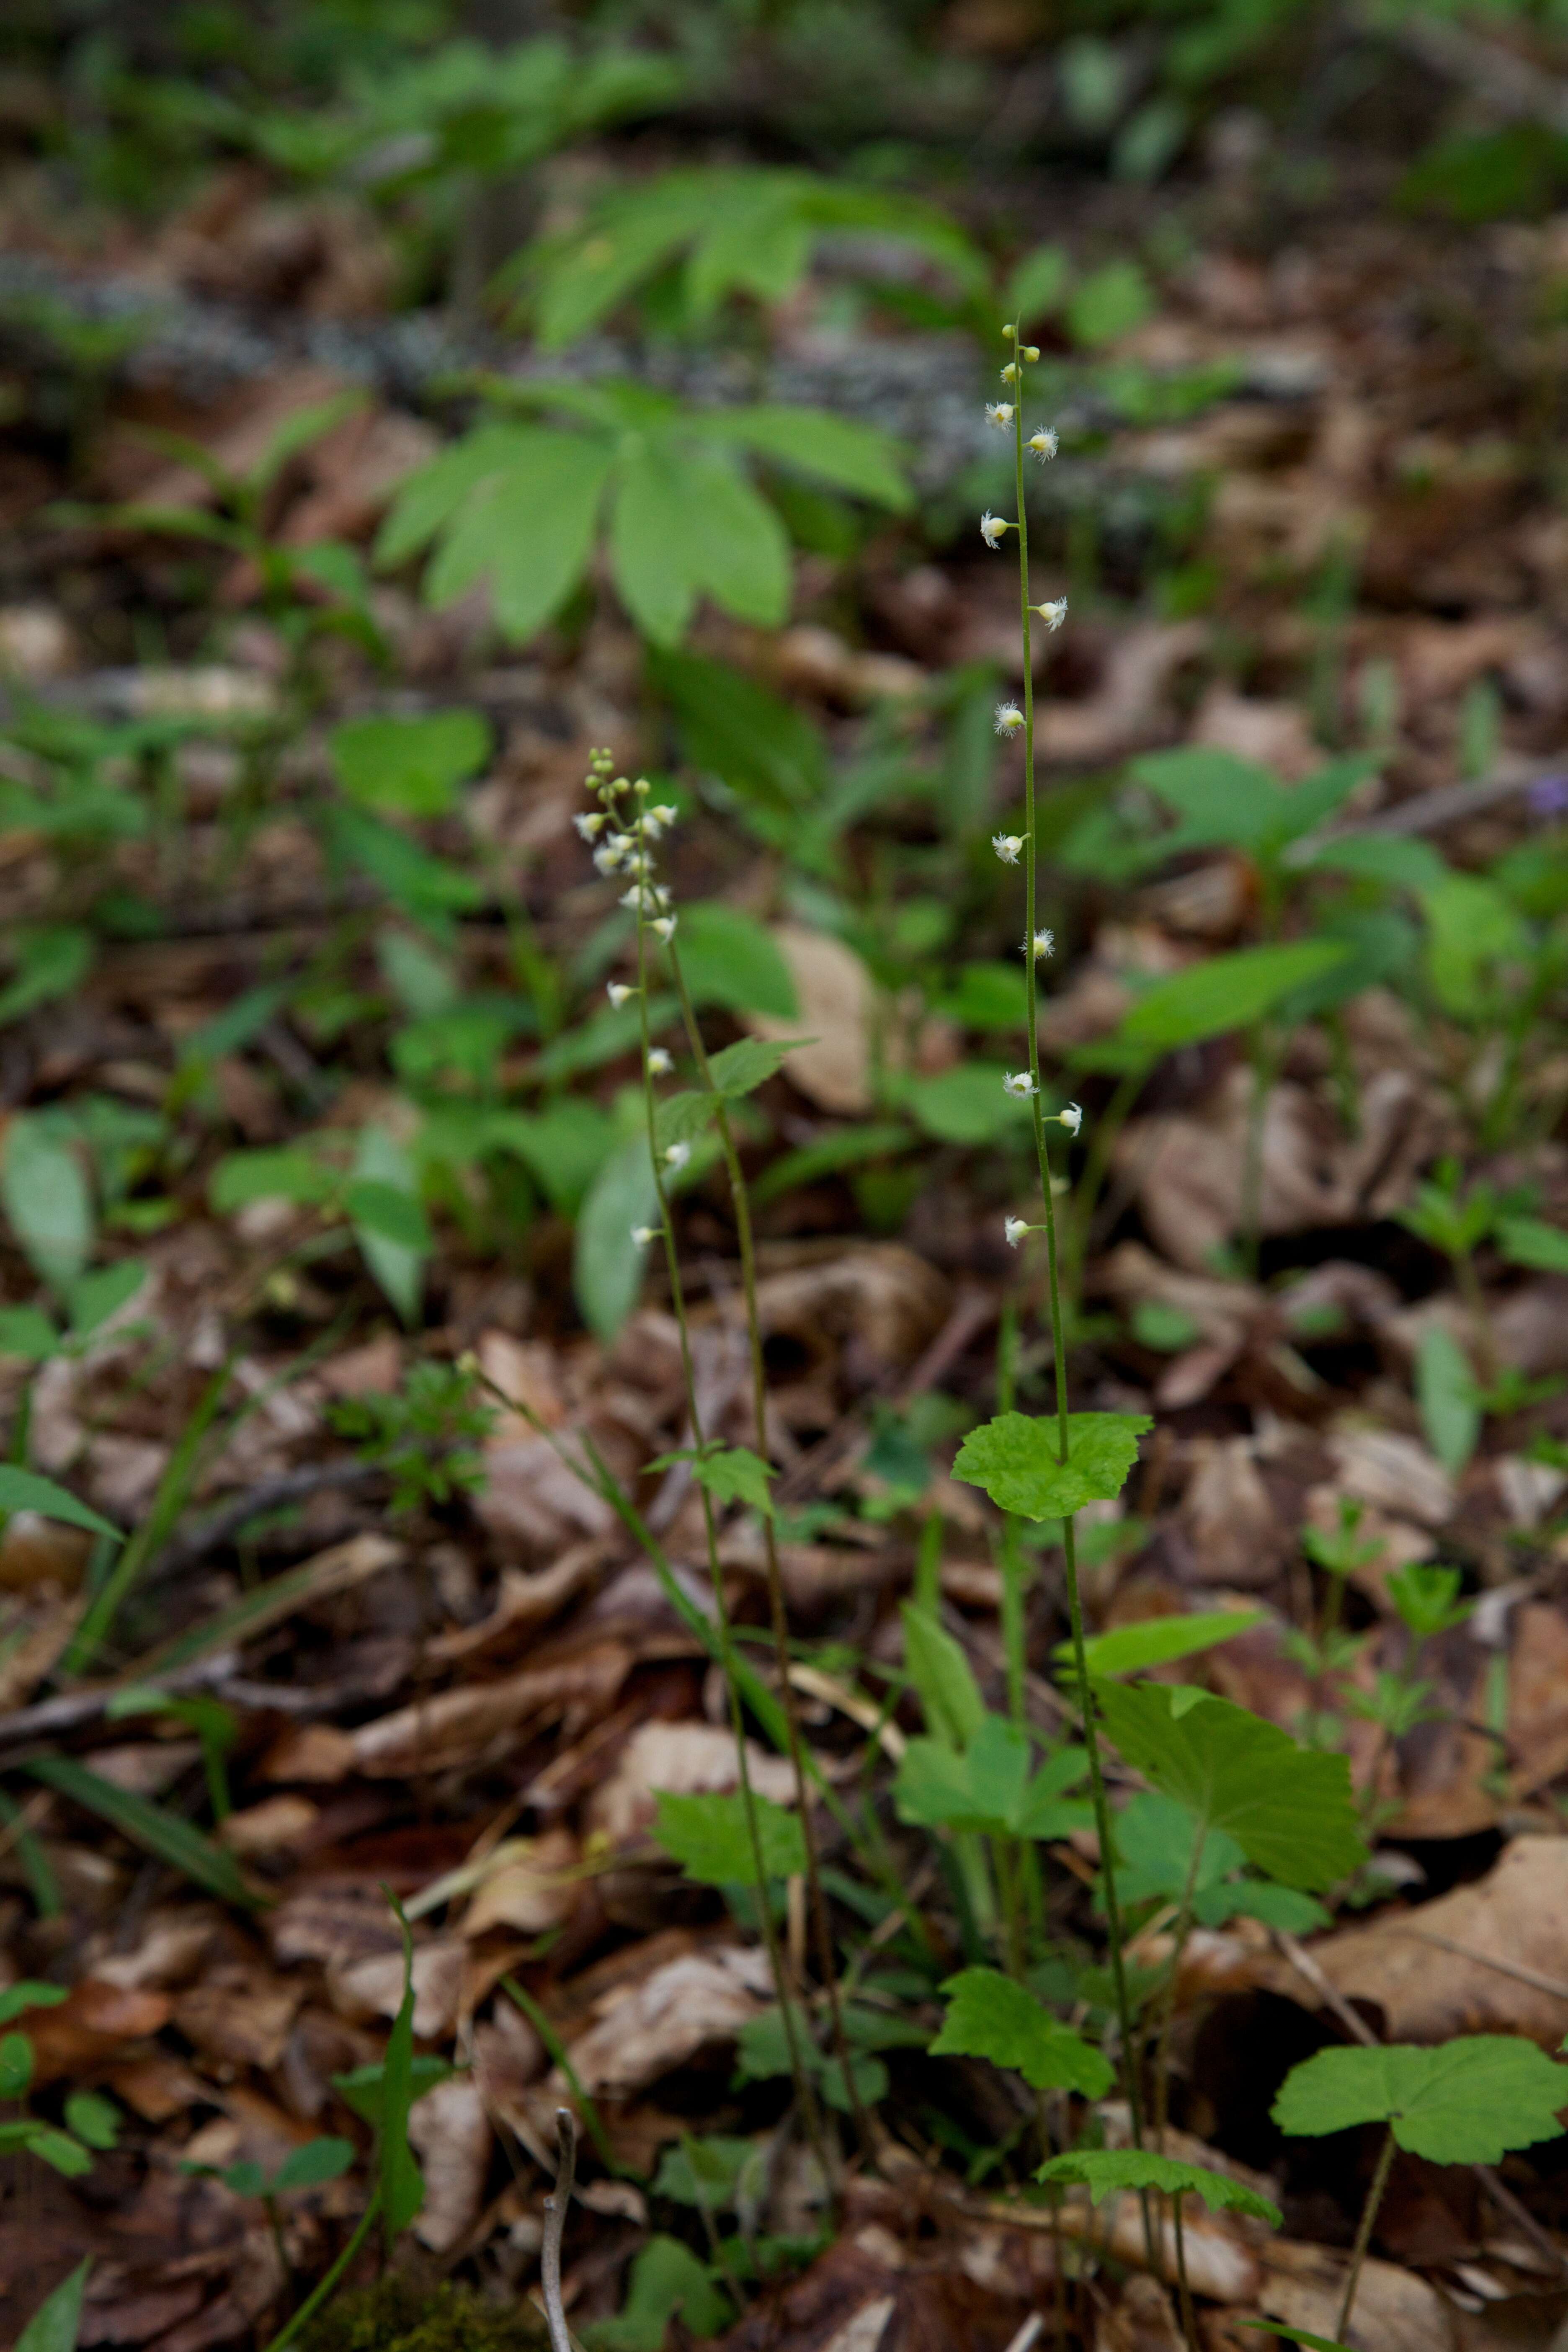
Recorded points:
(419, 1652)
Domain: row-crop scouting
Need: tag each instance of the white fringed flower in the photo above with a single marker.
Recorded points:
(1052, 614)
(1019, 1084)
(658, 1062)
(1071, 1119)
(643, 1234)
(1016, 1228)
(676, 1156)
(1007, 845)
(620, 993)
(663, 927)
(1043, 943)
(994, 529)
(1009, 719)
(591, 824)
(1044, 443)
(999, 412)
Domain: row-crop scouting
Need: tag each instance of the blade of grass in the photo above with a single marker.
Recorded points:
(160, 1833)
(592, 2121)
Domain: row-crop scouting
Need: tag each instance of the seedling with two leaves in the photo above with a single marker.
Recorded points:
(91, 2122)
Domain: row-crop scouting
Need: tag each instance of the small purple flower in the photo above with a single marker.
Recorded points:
(1549, 796)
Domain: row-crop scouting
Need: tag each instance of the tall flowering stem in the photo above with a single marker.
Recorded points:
(630, 829)
(1044, 445)
(741, 1197)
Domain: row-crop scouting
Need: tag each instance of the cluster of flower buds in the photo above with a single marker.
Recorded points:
(623, 830)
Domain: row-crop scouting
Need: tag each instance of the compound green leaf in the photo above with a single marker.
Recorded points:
(528, 530)
(1014, 1458)
(736, 1474)
(433, 494)
(991, 2016)
(1466, 2103)
(762, 747)
(709, 1837)
(1288, 1807)
(851, 457)
(656, 541)
(1105, 2170)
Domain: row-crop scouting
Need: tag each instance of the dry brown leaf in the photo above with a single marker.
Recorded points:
(370, 1987)
(838, 1003)
(1395, 2310)
(1128, 706)
(1236, 1534)
(451, 2136)
(34, 1627)
(864, 2294)
(522, 1602)
(39, 1551)
(1508, 1927)
(1394, 1473)
(690, 1759)
(91, 2024)
(459, 1726)
(240, 2016)
(530, 1889)
(881, 1299)
(530, 1494)
(659, 2024)
(1276, 735)
(277, 1825)
(169, 1951)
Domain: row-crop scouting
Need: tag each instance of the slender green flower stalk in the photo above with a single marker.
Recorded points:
(1037, 944)
(631, 827)
(746, 1243)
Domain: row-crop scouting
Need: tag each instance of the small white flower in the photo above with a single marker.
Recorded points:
(999, 412)
(637, 896)
(658, 1062)
(664, 816)
(1007, 845)
(1019, 1084)
(1052, 614)
(643, 1234)
(620, 993)
(610, 853)
(1009, 719)
(1043, 442)
(1071, 1119)
(993, 531)
(676, 1156)
(591, 824)
(664, 927)
(1043, 943)
(1016, 1228)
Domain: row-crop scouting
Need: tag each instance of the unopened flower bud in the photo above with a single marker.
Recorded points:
(1010, 373)
(1031, 350)
(664, 927)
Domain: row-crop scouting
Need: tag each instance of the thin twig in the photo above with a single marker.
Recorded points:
(555, 2206)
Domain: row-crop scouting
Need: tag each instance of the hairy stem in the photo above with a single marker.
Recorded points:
(1059, 1346)
(1364, 2232)
(803, 2090)
(778, 1615)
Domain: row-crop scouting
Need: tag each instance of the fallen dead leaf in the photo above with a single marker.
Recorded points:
(451, 2136)
(1236, 1534)
(838, 1003)
(664, 2020)
(528, 1890)
(690, 1759)
(457, 1725)
(881, 1298)
(238, 2015)
(91, 2024)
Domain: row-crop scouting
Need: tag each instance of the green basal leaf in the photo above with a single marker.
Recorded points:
(289, 1174)
(409, 766)
(666, 2278)
(18, 1999)
(1105, 2170)
(991, 2016)
(365, 2088)
(1530, 1241)
(56, 2323)
(27, 1333)
(606, 1263)
(23, 1490)
(1156, 1640)
(711, 1838)
(46, 1198)
(1226, 992)
(1015, 1459)
(941, 1674)
(1449, 1398)
(1289, 1807)
(1468, 2103)
(318, 2161)
(93, 2118)
(402, 2183)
